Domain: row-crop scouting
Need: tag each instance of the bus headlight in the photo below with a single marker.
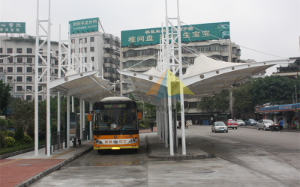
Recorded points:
(97, 141)
(133, 140)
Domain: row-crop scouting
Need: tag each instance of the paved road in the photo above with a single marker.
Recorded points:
(243, 157)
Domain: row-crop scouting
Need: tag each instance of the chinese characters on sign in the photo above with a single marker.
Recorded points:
(83, 26)
(12, 27)
(200, 32)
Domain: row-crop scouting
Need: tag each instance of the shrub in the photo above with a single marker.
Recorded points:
(19, 133)
(10, 134)
(141, 125)
(27, 139)
(10, 141)
(2, 139)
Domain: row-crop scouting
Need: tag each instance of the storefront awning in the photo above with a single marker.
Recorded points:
(280, 108)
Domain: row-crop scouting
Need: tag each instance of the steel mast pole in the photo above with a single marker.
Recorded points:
(181, 79)
(48, 84)
(36, 82)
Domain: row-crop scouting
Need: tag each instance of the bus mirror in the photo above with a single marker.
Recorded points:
(140, 115)
(89, 117)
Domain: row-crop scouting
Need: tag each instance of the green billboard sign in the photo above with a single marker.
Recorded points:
(12, 27)
(84, 25)
(189, 33)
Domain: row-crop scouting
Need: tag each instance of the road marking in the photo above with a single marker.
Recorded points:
(62, 154)
(15, 160)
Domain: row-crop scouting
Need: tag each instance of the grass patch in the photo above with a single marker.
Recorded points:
(19, 146)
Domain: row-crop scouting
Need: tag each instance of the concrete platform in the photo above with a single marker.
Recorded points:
(157, 149)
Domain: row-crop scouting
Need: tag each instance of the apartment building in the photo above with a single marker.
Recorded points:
(100, 50)
(17, 59)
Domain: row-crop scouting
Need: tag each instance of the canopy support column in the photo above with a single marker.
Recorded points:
(83, 120)
(58, 111)
(73, 104)
(166, 123)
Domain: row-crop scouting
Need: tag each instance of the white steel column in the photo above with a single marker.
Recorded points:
(91, 130)
(68, 120)
(166, 121)
(73, 104)
(58, 111)
(48, 83)
(169, 104)
(36, 84)
(81, 111)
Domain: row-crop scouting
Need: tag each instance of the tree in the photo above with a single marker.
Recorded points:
(243, 100)
(217, 102)
(22, 113)
(4, 95)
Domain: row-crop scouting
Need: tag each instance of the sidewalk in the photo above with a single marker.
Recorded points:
(157, 149)
(147, 130)
(24, 169)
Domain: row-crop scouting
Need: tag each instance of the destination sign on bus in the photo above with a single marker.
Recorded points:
(115, 106)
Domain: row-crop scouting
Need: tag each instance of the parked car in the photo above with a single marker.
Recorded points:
(231, 124)
(240, 122)
(264, 124)
(250, 122)
(219, 126)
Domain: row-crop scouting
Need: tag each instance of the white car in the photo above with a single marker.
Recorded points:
(240, 122)
(219, 126)
(264, 124)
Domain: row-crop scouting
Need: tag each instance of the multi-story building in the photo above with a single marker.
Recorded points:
(17, 59)
(291, 70)
(100, 50)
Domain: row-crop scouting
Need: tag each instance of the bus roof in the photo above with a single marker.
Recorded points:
(107, 99)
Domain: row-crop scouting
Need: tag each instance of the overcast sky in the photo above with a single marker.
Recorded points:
(270, 26)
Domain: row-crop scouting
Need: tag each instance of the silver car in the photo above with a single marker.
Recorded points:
(240, 122)
(219, 126)
(264, 124)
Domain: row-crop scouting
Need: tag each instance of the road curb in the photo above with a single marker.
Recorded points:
(18, 152)
(175, 157)
(53, 168)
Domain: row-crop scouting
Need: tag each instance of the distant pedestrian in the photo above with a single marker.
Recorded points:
(281, 125)
(179, 124)
(151, 125)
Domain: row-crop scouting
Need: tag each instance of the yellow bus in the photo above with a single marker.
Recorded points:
(115, 124)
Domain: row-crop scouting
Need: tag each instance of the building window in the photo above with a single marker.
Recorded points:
(19, 50)
(40, 97)
(80, 40)
(92, 49)
(9, 50)
(1, 61)
(1, 50)
(40, 88)
(92, 39)
(19, 60)
(29, 69)
(85, 59)
(19, 69)
(10, 60)
(1, 69)
(19, 88)
(29, 60)
(56, 62)
(28, 88)
(28, 97)
(9, 78)
(92, 58)
(40, 70)
(56, 71)
(29, 79)
(29, 50)
(85, 40)
(19, 79)
(10, 69)
(85, 49)
(73, 41)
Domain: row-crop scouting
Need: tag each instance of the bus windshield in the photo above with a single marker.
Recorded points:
(115, 120)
